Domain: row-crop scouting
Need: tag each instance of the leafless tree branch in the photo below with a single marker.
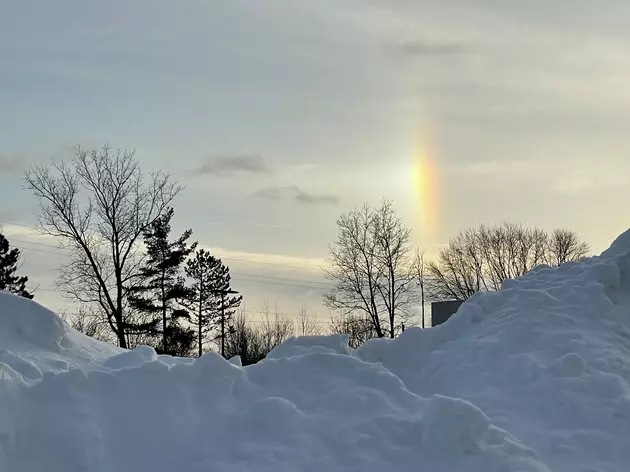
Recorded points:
(99, 205)
(481, 259)
(372, 268)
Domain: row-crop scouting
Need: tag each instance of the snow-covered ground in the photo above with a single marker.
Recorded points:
(532, 378)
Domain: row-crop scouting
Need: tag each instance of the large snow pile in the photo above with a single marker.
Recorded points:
(533, 378)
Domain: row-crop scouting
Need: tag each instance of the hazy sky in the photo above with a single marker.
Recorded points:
(278, 115)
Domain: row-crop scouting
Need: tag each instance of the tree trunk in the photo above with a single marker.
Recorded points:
(118, 315)
(375, 319)
(120, 330)
(223, 324)
(164, 340)
(422, 298)
(392, 301)
(199, 322)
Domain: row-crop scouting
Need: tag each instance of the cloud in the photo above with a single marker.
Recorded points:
(295, 194)
(564, 176)
(27, 233)
(225, 166)
(507, 167)
(311, 199)
(432, 48)
(11, 163)
(587, 181)
(257, 259)
(269, 193)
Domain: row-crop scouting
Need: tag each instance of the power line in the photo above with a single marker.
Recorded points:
(249, 261)
(326, 284)
(24, 241)
(311, 322)
(235, 259)
(310, 287)
(322, 285)
(276, 280)
(31, 249)
(254, 312)
(13, 223)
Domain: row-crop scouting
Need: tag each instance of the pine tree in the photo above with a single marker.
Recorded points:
(181, 340)
(209, 303)
(9, 264)
(163, 287)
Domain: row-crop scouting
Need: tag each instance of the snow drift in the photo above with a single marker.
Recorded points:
(532, 378)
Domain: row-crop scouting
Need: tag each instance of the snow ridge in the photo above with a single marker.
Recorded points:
(535, 377)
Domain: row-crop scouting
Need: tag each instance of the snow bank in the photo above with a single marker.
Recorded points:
(34, 340)
(533, 378)
(547, 358)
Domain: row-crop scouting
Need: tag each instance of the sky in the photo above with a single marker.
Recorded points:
(278, 116)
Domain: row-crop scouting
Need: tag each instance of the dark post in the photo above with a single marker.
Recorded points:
(223, 323)
(223, 293)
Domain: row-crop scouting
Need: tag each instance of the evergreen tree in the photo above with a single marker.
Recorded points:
(181, 340)
(209, 303)
(163, 287)
(9, 264)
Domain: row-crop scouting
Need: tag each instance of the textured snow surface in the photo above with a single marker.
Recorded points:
(532, 378)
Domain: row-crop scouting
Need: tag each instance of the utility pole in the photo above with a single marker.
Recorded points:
(223, 293)
(223, 324)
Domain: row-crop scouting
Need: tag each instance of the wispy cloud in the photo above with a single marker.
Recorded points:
(313, 199)
(296, 194)
(565, 177)
(257, 259)
(582, 181)
(12, 163)
(432, 48)
(245, 224)
(225, 166)
(269, 193)
(26, 233)
(495, 168)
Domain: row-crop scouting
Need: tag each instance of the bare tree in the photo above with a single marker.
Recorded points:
(252, 343)
(509, 251)
(565, 246)
(393, 249)
(242, 341)
(90, 324)
(358, 328)
(355, 269)
(457, 273)
(274, 328)
(371, 268)
(136, 329)
(420, 272)
(306, 323)
(99, 206)
(483, 258)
